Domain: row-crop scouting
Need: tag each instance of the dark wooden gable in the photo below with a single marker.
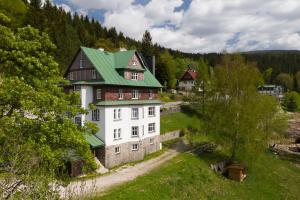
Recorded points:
(81, 74)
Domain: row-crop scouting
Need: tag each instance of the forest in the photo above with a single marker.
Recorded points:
(70, 31)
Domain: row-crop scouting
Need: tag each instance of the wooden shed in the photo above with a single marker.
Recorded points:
(236, 172)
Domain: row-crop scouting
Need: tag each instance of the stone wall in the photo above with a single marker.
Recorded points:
(170, 136)
(127, 154)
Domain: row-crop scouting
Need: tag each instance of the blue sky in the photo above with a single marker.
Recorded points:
(200, 25)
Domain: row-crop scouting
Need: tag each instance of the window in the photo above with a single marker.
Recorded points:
(151, 140)
(134, 131)
(151, 127)
(81, 63)
(135, 147)
(134, 113)
(117, 134)
(151, 111)
(78, 121)
(98, 94)
(77, 87)
(120, 95)
(134, 63)
(117, 150)
(94, 74)
(134, 76)
(117, 114)
(71, 77)
(135, 94)
(150, 94)
(96, 115)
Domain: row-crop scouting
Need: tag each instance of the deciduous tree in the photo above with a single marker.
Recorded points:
(37, 130)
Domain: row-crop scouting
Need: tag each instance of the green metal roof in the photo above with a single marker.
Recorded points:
(93, 140)
(107, 63)
(129, 102)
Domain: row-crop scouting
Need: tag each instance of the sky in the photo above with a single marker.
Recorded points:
(200, 26)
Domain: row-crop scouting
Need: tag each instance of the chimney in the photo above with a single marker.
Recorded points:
(153, 65)
(122, 49)
(100, 49)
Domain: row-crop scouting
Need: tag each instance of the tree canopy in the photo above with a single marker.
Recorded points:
(37, 131)
(234, 111)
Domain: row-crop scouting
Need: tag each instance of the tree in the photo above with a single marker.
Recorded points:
(285, 80)
(235, 111)
(147, 46)
(297, 81)
(268, 75)
(291, 101)
(167, 62)
(36, 116)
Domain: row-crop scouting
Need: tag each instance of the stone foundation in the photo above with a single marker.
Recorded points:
(111, 159)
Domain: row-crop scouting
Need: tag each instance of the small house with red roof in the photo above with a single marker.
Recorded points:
(188, 80)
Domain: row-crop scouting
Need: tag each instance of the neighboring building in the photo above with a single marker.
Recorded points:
(127, 106)
(188, 80)
(272, 90)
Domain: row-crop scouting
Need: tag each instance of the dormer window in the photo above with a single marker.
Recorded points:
(94, 74)
(134, 76)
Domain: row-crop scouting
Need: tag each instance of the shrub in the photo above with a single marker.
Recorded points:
(291, 101)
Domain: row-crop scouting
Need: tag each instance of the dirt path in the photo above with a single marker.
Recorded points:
(102, 183)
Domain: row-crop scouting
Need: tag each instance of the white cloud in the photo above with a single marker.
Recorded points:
(65, 7)
(207, 25)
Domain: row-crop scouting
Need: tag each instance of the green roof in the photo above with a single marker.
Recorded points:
(93, 140)
(129, 102)
(107, 63)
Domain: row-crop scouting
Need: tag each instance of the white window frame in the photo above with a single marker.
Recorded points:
(151, 127)
(135, 147)
(96, 115)
(117, 150)
(94, 74)
(150, 94)
(120, 94)
(81, 64)
(134, 131)
(117, 134)
(151, 111)
(135, 94)
(117, 114)
(98, 93)
(134, 113)
(71, 76)
(134, 76)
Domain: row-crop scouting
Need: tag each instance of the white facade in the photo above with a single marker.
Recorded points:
(107, 124)
(186, 84)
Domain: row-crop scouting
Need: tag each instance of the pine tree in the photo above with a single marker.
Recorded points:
(147, 47)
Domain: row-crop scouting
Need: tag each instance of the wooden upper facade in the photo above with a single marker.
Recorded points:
(82, 71)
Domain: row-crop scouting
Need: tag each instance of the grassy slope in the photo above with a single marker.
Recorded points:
(176, 121)
(189, 177)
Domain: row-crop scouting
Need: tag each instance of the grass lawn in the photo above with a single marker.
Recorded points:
(176, 121)
(188, 176)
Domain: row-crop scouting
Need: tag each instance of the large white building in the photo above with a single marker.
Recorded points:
(124, 93)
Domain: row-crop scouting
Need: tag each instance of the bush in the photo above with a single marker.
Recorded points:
(291, 101)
